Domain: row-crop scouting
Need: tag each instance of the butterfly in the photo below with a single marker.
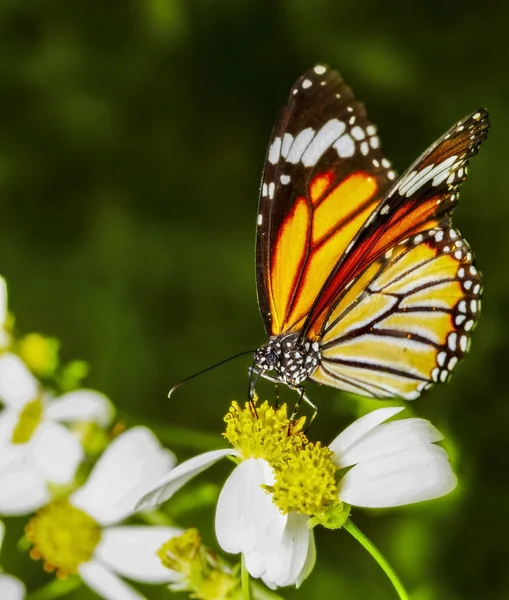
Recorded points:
(363, 284)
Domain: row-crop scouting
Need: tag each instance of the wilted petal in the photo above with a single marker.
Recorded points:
(17, 385)
(106, 584)
(129, 467)
(361, 427)
(81, 405)
(246, 518)
(22, 490)
(131, 552)
(57, 452)
(11, 588)
(290, 560)
(180, 475)
(413, 475)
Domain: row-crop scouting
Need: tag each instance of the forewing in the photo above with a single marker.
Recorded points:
(324, 176)
(422, 199)
(406, 322)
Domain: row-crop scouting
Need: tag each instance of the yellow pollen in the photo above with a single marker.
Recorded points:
(203, 574)
(266, 434)
(179, 552)
(307, 483)
(40, 354)
(29, 420)
(63, 536)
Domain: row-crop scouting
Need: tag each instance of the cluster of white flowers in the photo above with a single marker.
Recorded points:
(281, 487)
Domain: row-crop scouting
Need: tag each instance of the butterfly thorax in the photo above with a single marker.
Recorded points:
(292, 360)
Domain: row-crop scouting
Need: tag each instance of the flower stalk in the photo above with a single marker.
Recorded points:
(354, 531)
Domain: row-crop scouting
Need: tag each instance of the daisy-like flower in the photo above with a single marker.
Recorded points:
(11, 588)
(198, 570)
(283, 484)
(82, 535)
(36, 448)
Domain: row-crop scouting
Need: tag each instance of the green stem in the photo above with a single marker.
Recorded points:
(244, 578)
(56, 588)
(377, 555)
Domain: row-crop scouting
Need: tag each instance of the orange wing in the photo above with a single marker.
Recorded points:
(324, 176)
(406, 321)
(422, 199)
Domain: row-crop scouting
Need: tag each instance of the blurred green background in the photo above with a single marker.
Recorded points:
(132, 138)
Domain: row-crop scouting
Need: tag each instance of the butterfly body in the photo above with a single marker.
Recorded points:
(292, 360)
(363, 283)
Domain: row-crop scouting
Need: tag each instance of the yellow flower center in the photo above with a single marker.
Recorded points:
(266, 433)
(202, 573)
(307, 483)
(63, 536)
(40, 354)
(29, 420)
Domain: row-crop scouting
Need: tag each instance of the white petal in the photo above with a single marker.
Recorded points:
(17, 385)
(289, 561)
(310, 561)
(413, 475)
(389, 438)
(106, 584)
(22, 490)
(131, 552)
(11, 588)
(3, 302)
(129, 467)
(360, 427)
(180, 475)
(246, 518)
(57, 452)
(81, 405)
(8, 451)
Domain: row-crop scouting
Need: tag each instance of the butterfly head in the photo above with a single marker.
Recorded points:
(292, 360)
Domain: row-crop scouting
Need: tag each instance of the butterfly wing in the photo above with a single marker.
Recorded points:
(406, 321)
(421, 200)
(324, 176)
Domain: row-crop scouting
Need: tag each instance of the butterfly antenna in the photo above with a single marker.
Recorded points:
(175, 387)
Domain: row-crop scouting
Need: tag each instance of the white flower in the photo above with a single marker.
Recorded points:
(35, 447)
(101, 551)
(395, 463)
(390, 464)
(11, 588)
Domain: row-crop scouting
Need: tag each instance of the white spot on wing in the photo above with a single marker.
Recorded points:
(264, 190)
(300, 143)
(260, 219)
(285, 179)
(272, 189)
(275, 150)
(319, 69)
(287, 143)
(358, 133)
(345, 146)
(307, 83)
(322, 141)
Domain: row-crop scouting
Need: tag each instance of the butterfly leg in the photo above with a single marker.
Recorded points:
(276, 388)
(254, 375)
(303, 396)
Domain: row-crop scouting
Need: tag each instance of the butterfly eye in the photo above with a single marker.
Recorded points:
(272, 358)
